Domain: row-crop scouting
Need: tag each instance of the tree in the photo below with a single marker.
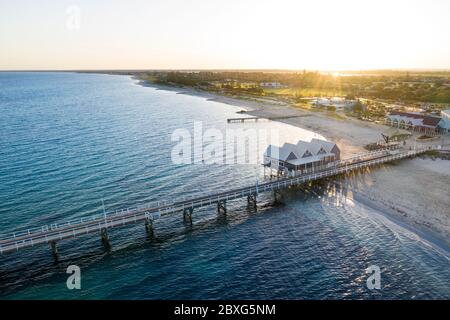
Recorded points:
(350, 97)
(358, 107)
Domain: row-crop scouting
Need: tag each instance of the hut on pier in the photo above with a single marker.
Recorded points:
(301, 157)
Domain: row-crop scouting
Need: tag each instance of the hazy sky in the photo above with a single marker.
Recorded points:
(174, 34)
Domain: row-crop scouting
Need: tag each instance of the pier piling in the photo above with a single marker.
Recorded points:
(187, 215)
(54, 249)
(149, 227)
(278, 197)
(222, 207)
(251, 200)
(105, 238)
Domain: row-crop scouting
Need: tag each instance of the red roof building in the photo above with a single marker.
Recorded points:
(413, 121)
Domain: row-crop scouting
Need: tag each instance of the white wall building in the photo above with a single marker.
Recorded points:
(414, 121)
(338, 103)
(271, 85)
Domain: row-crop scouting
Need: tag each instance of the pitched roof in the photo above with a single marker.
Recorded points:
(301, 161)
(415, 118)
(431, 121)
(281, 153)
(407, 114)
(328, 145)
(302, 152)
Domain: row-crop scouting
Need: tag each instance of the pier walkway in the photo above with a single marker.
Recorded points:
(256, 119)
(101, 224)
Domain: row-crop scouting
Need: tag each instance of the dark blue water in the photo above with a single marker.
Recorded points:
(69, 140)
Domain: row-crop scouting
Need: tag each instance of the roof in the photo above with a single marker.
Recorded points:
(328, 145)
(407, 114)
(302, 152)
(415, 119)
(301, 161)
(431, 121)
(281, 153)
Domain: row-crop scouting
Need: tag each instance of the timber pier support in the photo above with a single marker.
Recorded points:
(277, 197)
(251, 201)
(187, 215)
(222, 207)
(54, 249)
(149, 226)
(105, 238)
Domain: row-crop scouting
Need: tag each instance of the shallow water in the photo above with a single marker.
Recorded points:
(69, 140)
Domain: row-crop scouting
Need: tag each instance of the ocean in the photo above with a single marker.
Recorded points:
(70, 142)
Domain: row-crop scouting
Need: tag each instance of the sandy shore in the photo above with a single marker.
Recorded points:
(415, 191)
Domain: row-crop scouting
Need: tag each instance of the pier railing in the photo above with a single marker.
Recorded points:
(52, 233)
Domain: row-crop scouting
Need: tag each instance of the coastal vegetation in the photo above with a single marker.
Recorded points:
(371, 94)
(423, 87)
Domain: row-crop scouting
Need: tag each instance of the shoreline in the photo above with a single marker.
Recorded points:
(390, 215)
(343, 133)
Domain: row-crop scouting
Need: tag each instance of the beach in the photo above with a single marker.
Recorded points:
(414, 192)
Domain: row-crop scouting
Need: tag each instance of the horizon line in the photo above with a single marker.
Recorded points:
(228, 69)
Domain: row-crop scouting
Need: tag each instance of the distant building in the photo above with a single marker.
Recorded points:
(301, 156)
(414, 121)
(248, 85)
(445, 122)
(271, 85)
(229, 83)
(338, 103)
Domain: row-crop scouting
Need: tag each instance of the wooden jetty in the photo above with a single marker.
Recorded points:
(256, 119)
(100, 225)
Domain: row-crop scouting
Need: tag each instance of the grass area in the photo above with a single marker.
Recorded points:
(306, 92)
(400, 137)
(149, 78)
(432, 153)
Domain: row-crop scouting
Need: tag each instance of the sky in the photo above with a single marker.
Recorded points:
(231, 34)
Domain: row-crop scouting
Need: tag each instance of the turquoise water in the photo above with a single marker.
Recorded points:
(69, 140)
